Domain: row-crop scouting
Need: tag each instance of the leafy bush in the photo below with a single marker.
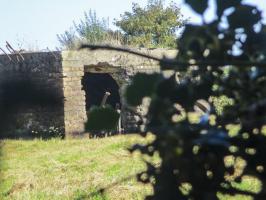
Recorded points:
(101, 119)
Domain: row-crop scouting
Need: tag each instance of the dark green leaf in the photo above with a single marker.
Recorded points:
(143, 85)
(198, 6)
(222, 5)
(251, 16)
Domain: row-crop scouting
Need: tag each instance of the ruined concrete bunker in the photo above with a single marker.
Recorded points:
(48, 91)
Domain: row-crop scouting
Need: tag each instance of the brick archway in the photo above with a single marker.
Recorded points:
(121, 66)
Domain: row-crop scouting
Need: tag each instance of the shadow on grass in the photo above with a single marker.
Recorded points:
(100, 194)
(93, 195)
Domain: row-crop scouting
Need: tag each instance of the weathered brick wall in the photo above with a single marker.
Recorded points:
(34, 88)
(57, 76)
(75, 103)
(122, 67)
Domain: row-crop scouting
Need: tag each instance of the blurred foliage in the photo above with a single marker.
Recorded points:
(142, 86)
(222, 62)
(152, 26)
(220, 103)
(193, 153)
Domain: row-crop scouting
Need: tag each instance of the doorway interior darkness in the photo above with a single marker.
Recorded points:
(95, 85)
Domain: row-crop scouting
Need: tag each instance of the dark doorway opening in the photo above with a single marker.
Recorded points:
(95, 85)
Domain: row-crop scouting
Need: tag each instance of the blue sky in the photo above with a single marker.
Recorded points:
(33, 24)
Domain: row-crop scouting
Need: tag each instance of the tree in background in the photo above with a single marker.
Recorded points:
(91, 30)
(68, 39)
(152, 26)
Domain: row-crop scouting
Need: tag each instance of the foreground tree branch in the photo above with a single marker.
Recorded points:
(172, 63)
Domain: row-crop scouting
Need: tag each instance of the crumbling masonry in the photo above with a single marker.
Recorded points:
(59, 76)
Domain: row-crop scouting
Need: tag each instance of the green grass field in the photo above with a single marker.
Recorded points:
(75, 169)
(70, 169)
